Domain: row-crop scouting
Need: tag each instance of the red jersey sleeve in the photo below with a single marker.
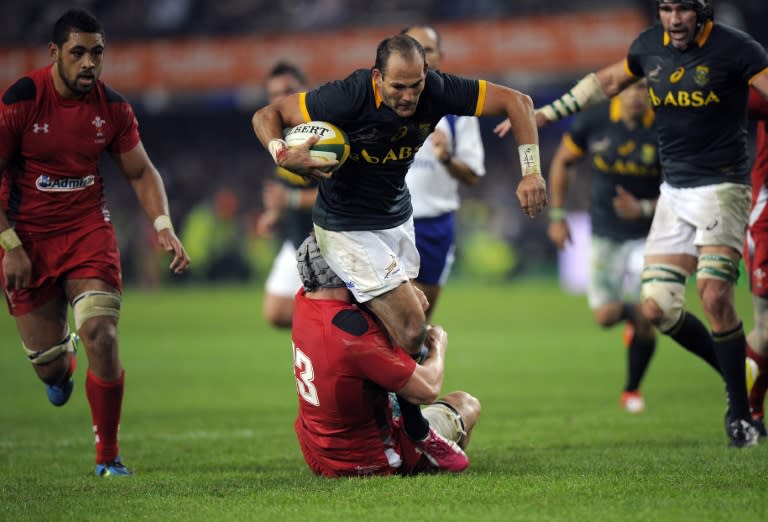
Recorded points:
(758, 106)
(127, 136)
(14, 106)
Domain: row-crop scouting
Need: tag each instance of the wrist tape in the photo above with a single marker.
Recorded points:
(530, 164)
(586, 93)
(278, 149)
(162, 222)
(9, 240)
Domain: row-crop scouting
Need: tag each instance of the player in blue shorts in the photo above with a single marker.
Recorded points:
(452, 155)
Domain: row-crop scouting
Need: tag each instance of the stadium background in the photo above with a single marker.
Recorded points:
(194, 70)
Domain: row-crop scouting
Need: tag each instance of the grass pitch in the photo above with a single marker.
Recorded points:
(210, 403)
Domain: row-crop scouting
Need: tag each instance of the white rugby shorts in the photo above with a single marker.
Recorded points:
(371, 262)
(689, 218)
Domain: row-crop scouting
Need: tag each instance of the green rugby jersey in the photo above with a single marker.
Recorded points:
(700, 99)
(369, 192)
(618, 156)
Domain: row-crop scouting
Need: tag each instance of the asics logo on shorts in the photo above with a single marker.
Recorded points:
(46, 184)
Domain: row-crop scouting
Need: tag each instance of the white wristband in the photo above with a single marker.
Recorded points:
(530, 165)
(277, 149)
(9, 240)
(162, 222)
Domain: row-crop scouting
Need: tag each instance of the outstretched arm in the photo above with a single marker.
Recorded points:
(150, 191)
(531, 191)
(591, 90)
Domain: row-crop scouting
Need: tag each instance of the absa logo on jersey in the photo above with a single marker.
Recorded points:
(46, 184)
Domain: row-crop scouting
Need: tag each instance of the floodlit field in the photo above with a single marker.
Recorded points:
(210, 403)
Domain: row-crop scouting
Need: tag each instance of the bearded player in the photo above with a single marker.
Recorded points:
(58, 243)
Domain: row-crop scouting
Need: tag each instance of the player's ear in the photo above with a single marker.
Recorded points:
(53, 49)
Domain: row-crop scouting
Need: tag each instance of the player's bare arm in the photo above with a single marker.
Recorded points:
(558, 230)
(591, 90)
(531, 191)
(452, 163)
(424, 385)
(17, 268)
(268, 124)
(150, 191)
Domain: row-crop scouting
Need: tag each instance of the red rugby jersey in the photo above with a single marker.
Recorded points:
(344, 365)
(758, 110)
(52, 147)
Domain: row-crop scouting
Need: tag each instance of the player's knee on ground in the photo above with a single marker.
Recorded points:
(663, 295)
(95, 304)
(51, 354)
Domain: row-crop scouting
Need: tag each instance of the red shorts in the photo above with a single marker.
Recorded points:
(413, 461)
(756, 260)
(87, 253)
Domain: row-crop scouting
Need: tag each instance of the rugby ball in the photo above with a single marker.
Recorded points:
(333, 143)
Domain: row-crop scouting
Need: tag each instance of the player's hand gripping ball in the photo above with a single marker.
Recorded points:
(332, 145)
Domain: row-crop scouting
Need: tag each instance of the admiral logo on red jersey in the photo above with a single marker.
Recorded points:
(46, 184)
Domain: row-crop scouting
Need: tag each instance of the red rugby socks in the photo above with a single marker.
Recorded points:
(106, 400)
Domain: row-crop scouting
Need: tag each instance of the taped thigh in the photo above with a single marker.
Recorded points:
(665, 284)
(717, 266)
(95, 304)
(41, 357)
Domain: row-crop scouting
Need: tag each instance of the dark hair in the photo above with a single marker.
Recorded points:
(75, 20)
(410, 28)
(401, 44)
(703, 8)
(282, 68)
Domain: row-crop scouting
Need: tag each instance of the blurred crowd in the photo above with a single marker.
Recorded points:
(28, 21)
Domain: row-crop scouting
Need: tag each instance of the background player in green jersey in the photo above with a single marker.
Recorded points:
(619, 138)
(288, 201)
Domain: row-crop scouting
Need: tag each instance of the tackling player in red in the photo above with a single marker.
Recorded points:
(347, 372)
(756, 260)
